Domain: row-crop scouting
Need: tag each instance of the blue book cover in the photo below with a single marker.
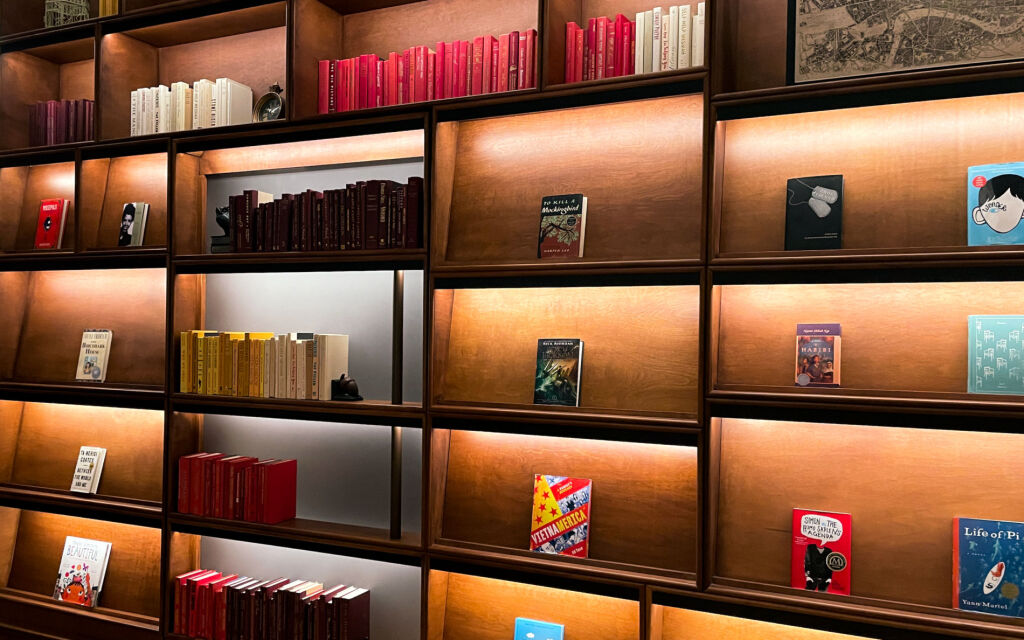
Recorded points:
(995, 204)
(527, 629)
(988, 566)
(994, 355)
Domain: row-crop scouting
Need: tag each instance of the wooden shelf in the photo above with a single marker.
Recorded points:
(76, 504)
(366, 411)
(301, 261)
(35, 613)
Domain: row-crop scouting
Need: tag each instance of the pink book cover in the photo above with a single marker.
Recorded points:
(531, 58)
(503, 63)
(451, 52)
(378, 85)
(421, 74)
(632, 47)
(463, 68)
(617, 59)
(521, 65)
(488, 64)
(362, 82)
(591, 45)
(570, 51)
(431, 70)
(439, 61)
(495, 51)
(341, 87)
(393, 77)
(407, 92)
(578, 73)
(477, 85)
(601, 33)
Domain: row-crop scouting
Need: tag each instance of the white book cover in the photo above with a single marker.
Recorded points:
(99, 469)
(134, 128)
(656, 40)
(163, 111)
(216, 118)
(87, 470)
(143, 111)
(300, 370)
(684, 43)
(83, 566)
(697, 56)
(648, 41)
(202, 96)
(665, 23)
(638, 48)
(673, 38)
(237, 105)
(292, 355)
(151, 110)
(139, 224)
(179, 91)
(332, 353)
(93, 355)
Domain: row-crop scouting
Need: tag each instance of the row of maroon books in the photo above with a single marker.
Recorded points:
(59, 122)
(487, 64)
(215, 606)
(371, 214)
(237, 487)
(604, 49)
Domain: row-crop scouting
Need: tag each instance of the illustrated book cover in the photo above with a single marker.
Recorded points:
(557, 382)
(93, 356)
(994, 355)
(817, 355)
(527, 629)
(50, 228)
(561, 516)
(563, 221)
(83, 566)
(995, 204)
(822, 543)
(988, 566)
(133, 224)
(88, 469)
(814, 213)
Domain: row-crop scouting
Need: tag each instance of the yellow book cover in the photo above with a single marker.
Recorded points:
(256, 339)
(202, 364)
(227, 338)
(244, 348)
(213, 371)
(183, 382)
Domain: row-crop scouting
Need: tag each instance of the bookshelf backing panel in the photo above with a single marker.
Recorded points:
(892, 199)
(21, 190)
(132, 582)
(47, 449)
(882, 345)
(640, 344)
(108, 184)
(14, 291)
(670, 623)
(498, 512)
(63, 304)
(17, 16)
(489, 186)
(903, 487)
(475, 608)
(752, 36)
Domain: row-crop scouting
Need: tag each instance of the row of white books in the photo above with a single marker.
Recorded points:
(206, 104)
(672, 39)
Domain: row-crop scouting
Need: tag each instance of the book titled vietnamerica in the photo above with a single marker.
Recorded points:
(561, 516)
(822, 546)
(559, 361)
(93, 356)
(814, 213)
(988, 566)
(83, 566)
(817, 355)
(994, 355)
(563, 221)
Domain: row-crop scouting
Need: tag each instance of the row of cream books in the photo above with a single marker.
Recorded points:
(93, 355)
(300, 366)
(206, 104)
(88, 469)
(83, 565)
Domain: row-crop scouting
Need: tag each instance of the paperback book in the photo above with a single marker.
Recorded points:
(817, 355)
(561, 516)
(988, 566)
(50, 228)
(88, 469)
(133, 224)
(563, 222)
(822, 544)
(527, 629)
(814, 213)
(994, 355)
(557, 380)
(93, 356)
(995, 204)
(83, 565)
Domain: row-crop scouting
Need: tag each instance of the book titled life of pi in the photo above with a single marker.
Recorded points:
(561, 516)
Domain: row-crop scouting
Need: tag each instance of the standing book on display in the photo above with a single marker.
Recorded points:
(53, 214)
(988, 566)
(557, 380)
(821, 555)
(83, 565)
(88, 469)
(994, 355)
(814, 213)
(995, 204)
(133, 224)
(527, 629)
(561, 516)
(93, 356)
(563, 222)
(817, 355)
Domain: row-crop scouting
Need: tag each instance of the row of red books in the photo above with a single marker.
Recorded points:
(59, 122)
(237, 487)
(371, 214)
(604, 49)
(487, 64)
(216, 606)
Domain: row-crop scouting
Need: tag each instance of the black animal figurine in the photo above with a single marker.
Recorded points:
(345, 388)
(222, 243)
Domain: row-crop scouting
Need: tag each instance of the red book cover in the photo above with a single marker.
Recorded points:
(579, 57)
(561, 516)
(194, 584)
(183, 594)
(233, 489)
(184, 473)
(521, 65)
(822, 544)
(179, 589)
(495, 52)
(531, 58)
(323, 92)
(570, 51)
(463, 69)
(439, 62)
(477, 84)
(621, 44)
(625, 51)
(393, 96)
(613, 64)
(341, 86)
(431, 71)
(50, 227)
(632, 47)
(362, 95)
(378, 82)
(513, 61)
(405, 77)
(601, 48)
(211, 595)
(502, 63)
(451, 51)
(219, 472)
(278, 491)
(195, 481)
(206, 471)
(590, 44)
(355, 614)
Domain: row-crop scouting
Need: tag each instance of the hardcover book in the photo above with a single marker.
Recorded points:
(133, 224)
(88, 469)
(93, 356)
(817, 355)
(995, 204)
(988, 566)
(50, 228)
(559, 362)
(994, 355)
(83, 566)
(527, 629)
(822, 543)
(814, 213)
(561, 516)
(563, 221)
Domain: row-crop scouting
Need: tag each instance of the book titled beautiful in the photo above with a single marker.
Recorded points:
(83, 565)
(561, 516)
(988, 566)
(817, 355)
(557, 380)
(822, 545)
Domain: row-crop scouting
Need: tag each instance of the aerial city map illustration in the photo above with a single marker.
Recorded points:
(839, 38)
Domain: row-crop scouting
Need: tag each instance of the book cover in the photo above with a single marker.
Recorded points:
(994, 355)
(527, 629)
(561, 516)
(92, 358)
(814, 213)
(82, 567)
(50, 227)
(988, 566)
(995, 204)
(817, 355)
(563, 222)
(822, 544)
(557, 380)
(88, 469)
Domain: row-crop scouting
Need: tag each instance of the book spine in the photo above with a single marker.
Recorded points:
(413, 194)
(656, 39)
(513, 61)
(503, 63)
(683, 38)
(601, 48)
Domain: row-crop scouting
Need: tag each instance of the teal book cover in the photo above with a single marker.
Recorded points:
(527, 629)
(994, 355)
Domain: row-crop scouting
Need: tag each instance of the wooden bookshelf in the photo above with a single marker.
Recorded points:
(22, 188)
(108, 184)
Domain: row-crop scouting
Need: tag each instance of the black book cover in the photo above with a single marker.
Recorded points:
(814, 213)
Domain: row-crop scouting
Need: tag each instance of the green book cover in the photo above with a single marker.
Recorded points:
(558, 372)
(994, 358)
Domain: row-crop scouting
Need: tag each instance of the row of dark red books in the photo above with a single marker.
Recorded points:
(59, 122)
(237, 487)
(487, 64)
(371, 214)
(217, 606)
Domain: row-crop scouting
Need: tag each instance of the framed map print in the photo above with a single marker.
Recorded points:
(843, 38)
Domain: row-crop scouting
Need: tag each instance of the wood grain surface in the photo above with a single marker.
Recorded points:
(10, 428)
(28, 79)
(126, 64)
(684, 624)
(903, 487)
(638, 163)
(317, 33)
(213, 26)
(753, 38)
(41, 182)
(640, 345)
(109, 183)
(12, 190)
(633, 483)
(15, 287)
(9, 519)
